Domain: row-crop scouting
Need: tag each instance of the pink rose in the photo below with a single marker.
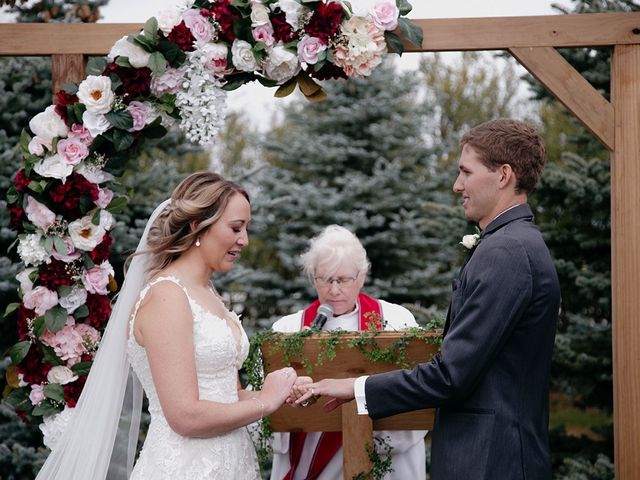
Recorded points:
(67, 256)
(39, 214)
(38, 144)
(141, 113)
(40, 299)
(385, 14)
(200, 27)
(96, 279)
(310, 48)
(215, 55)
(81, 133)
(264, 34)
(104, 197)
(37, 394)
(72, 150)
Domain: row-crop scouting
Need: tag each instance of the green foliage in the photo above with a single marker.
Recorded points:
(68, 11)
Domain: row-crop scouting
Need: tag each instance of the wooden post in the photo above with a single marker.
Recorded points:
(66, 68)
(355, 428)
(625, 262)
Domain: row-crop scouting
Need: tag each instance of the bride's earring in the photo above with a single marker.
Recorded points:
(198, 242)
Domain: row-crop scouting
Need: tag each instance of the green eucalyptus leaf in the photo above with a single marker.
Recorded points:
(81, 368)
(47, 244)
(81, 312)
(122, 140)
(59, 245)
(411, 32)
(54, 391)
(394, 42)
(55, 318)
(12, 194)
(19, 351)
(96, 65)
(12, 307)
(117, 204)
(123, 61)
(404, 6)
(25, 138)
(151, 28)
(44, 409)
(157, 63)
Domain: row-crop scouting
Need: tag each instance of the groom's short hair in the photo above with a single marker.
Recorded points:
(512, 142)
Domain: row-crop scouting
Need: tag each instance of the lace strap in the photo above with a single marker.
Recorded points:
(143, 293)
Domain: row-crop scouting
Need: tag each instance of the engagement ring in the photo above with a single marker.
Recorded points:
(306, 403)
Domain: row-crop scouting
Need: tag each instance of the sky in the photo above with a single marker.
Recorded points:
(259, 101)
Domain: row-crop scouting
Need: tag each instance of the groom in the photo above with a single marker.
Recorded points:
(490, 382)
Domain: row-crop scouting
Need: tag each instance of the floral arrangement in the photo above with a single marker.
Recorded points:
(175, 71)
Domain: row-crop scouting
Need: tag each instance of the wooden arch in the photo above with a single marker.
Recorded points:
(532, 41)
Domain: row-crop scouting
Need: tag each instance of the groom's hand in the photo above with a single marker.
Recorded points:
(341, 391)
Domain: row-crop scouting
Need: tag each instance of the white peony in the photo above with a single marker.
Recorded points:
(281, 64)
(94, 174)
(167, 19)
(96, 123)
(48, 125)
(95, 93)
(138, 58)
(26, 285)
(294, 12)
(53, 167)
(84, 234)
(242, 56)
(31, 251)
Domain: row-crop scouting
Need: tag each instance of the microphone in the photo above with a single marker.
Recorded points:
(325, 312)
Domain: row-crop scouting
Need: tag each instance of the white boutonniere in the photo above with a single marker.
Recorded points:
(470, 241)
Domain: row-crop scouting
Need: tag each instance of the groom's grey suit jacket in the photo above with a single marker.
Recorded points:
(490, 381)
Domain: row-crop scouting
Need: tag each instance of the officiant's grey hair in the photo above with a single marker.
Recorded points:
(333, 248)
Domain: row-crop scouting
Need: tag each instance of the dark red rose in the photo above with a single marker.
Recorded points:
(101, 252)
(32, 367)
(66, 196)
(282, 31)
(23, 416)
(325, 21)
(21, 181)
(328, 71)
(24, 314)
(99, 309)
(182, 36)
(224, 15)
(62, 100)
(17, 216)
(136, 82)
(73, 390)
(54, 275)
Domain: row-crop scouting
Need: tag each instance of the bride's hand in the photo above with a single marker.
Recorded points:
(300, 387)
(276, 388)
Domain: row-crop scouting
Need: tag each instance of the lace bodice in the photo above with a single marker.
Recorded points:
(218, 357)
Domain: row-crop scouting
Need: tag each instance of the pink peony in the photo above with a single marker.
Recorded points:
(385, 14)
(264, 34)
(90, 336)
(40, 299)
(215, 57)
(37, 393)
(169, 82)
(66, 342)
(72, 150)
(39, 214)
(67, 256)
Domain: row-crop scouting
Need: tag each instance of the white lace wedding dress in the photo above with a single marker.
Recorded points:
(169, 456)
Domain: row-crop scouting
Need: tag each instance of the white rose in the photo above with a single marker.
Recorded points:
(242, 56)
(31, 251)
(470, 241)
(294, 12)
(26, 285)
(96, 123)
(76, 298)
(281, 64)
(84, 234)
(138, 58)
(167, 19)
(95, 93)
(259, 15)
(53, 167)
(61, 374)
(48, 125)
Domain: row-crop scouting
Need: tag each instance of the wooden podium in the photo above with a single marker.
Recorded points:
(348, 362)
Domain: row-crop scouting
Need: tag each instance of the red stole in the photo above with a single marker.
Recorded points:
(330, 442)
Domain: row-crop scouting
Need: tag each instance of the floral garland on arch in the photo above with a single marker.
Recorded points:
(175, 71)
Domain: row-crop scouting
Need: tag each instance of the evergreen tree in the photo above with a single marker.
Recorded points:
(68, 11)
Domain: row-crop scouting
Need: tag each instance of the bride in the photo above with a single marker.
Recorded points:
(185, 348)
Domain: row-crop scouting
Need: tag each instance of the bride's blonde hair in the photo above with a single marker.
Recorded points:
(197, 203)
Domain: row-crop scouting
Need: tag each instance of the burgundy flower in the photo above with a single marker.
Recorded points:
(73, 390)
(33, 368)
(66, 196)
(325, 21)
(136, 82)
(24, 314)
(21, 181)
(282, 31)
(224, 15)
(55, 275)
(17, 216)
(62, 100)
(182, 36)
(101, 252)
(99, 309)
(328, 71)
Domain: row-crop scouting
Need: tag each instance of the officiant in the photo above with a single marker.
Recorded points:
(336, 264)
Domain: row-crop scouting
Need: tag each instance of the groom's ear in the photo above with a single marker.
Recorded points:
(507, 175)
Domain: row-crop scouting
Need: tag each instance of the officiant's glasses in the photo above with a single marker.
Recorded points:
(341, 282)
